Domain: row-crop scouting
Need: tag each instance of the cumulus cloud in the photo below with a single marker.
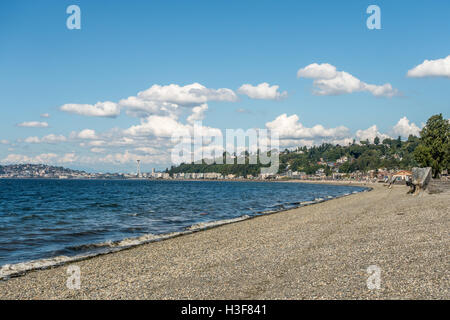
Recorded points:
(137, 107)
(242, 110)
(32, 140)
(329, 81)
(4, 141)
(98, 150)
(100, 109)
(41, 158)
(370, 134)
(167, 100)
(68, 158)
(157, 126)
(87, 134)
(318, 71)
(129, 157)
(431, 68)
(33, 124)
(404, 128)
(262, 91)
(194, 93)
(51, 138)
(198, 113)
(290, 127)
(45, 115)
(148, 150)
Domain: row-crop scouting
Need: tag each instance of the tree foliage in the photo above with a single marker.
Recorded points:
(434, 147)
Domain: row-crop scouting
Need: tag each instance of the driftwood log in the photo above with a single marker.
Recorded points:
(420, 179)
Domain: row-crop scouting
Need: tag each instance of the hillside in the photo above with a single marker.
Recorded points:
(389, 154)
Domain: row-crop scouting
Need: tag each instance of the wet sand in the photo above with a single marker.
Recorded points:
(320, 251)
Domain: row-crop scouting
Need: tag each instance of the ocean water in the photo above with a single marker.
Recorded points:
(49, 218)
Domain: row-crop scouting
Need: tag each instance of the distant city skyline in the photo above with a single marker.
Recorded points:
(102, 97)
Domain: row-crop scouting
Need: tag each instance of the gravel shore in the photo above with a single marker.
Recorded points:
(320, 251)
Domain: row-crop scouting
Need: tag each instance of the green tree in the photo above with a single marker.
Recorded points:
(434, 147)
(376, 141)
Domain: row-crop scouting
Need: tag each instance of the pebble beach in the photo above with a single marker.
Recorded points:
(321, 251)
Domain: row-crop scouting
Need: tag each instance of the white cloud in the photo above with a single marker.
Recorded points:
(318, 71)
(194, 93)
(198, 113)
(167, 100)
(148, 150)
(68, 158)
(137, 107)
(290, 127)
(370, 134)
(157, 100)
(51, 138)
(41, 158)
(159, 126)
(3, 141)
(329, 81)
(97, 143)
(100, 109)
(32, 140)
(129, 157)
(87, 134)
(403, 128)
(167, 128)
(98, 150)
(33, 124)
(262, 91)
(45, 115)
(431, 68)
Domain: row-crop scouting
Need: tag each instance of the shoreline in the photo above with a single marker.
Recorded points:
(8, 271)
(319, 251)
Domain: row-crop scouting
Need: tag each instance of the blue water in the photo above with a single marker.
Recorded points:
(48, 218)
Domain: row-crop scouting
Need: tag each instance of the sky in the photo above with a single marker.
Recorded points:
(136, 73)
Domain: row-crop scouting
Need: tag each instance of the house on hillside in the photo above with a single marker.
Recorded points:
(401, 176)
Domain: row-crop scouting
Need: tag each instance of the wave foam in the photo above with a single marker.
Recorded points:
(13, 270)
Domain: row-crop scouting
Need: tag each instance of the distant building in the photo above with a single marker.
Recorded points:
(401, 175)
(342, 160)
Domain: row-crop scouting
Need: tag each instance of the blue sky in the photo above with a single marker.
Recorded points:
(125, 47)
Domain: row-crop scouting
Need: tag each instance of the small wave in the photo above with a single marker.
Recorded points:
(12, 270)
(30, 217)
(85, 233)
(206, 225)
(105, 205)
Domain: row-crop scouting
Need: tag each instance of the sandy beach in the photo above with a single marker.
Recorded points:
(320, 251)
